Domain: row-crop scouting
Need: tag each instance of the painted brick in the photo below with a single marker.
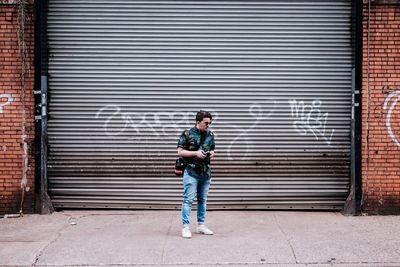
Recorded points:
(11, 154)
(381, 156)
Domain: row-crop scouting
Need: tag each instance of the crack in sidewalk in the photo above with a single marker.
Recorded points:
(166, 238)
(287, 238)
(57, 236)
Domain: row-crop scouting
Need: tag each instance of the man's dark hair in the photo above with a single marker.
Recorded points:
(203, 114)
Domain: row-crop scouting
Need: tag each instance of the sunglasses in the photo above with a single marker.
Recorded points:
(207, 123)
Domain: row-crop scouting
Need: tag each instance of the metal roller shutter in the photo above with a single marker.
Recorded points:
(126, 78)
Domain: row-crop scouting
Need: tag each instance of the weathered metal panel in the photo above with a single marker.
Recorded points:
(126, 78)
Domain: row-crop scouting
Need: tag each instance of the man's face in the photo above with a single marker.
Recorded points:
(204, 124)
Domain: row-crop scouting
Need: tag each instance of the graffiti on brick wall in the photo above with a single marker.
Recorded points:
(391, 100)
(5, 99)
(310, 119)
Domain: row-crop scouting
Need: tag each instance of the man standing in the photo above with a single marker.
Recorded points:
(196, 146)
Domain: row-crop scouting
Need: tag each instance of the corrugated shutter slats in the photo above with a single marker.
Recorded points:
(126, 78)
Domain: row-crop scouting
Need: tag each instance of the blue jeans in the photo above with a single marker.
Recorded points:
(194, 186)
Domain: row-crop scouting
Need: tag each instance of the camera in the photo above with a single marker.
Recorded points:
(208, 157)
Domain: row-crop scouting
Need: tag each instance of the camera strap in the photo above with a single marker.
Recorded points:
(202, 141)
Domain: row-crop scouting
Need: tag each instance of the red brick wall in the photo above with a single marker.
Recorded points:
(381, 123)
(11, 112)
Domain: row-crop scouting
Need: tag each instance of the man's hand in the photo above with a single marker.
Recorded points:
(188, 154)
(200, 154)
(212, 154)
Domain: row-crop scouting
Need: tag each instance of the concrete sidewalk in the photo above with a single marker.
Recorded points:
(242, 238)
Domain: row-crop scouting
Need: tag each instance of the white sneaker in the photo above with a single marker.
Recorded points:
(202, 229)
(186, 232)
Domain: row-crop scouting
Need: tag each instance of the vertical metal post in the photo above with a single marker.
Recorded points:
(353, 202)
(43, 203)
